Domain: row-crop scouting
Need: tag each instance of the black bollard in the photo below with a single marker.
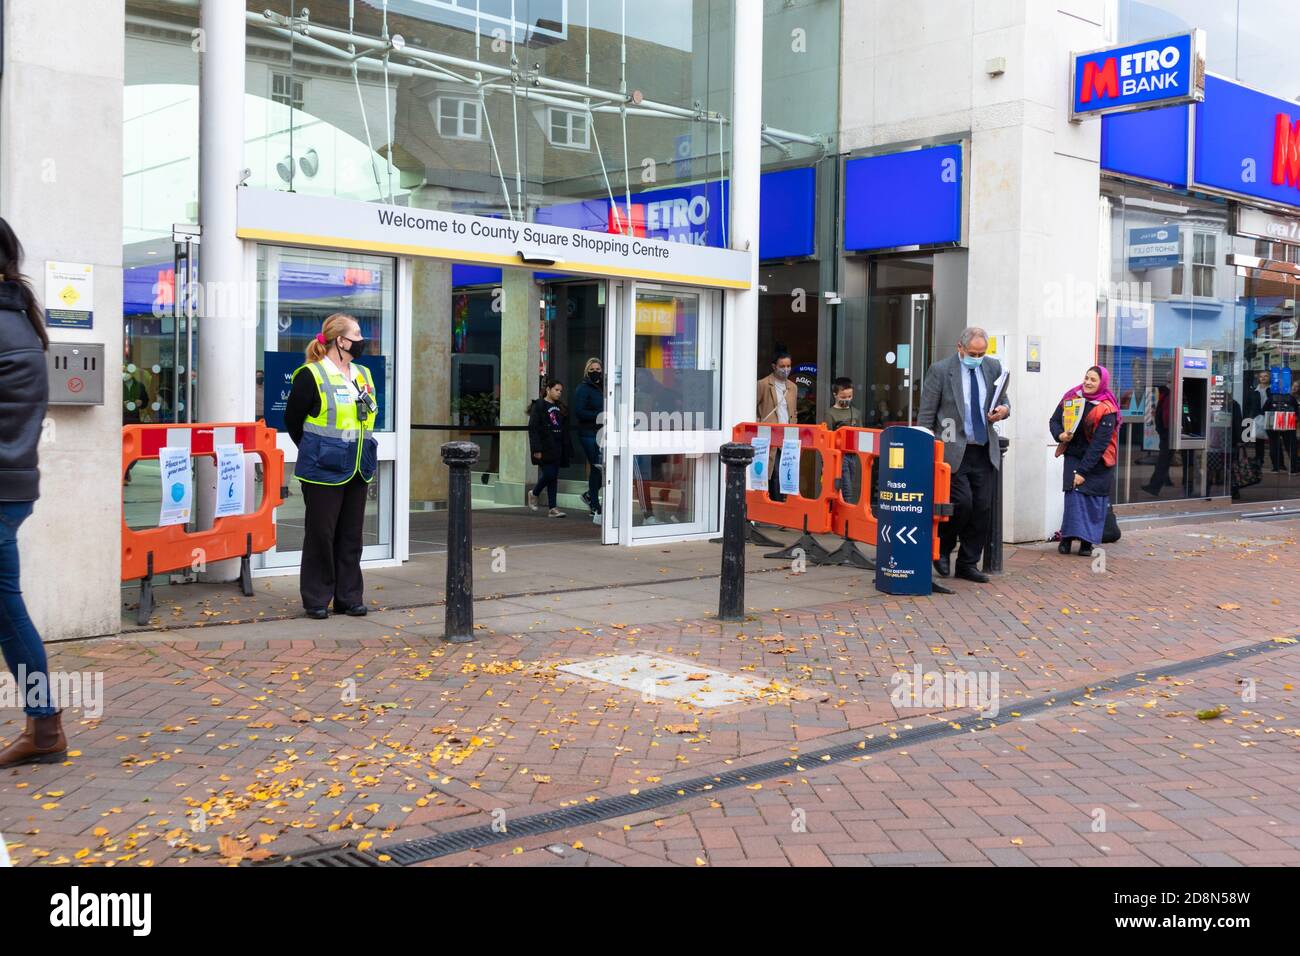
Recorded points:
(731, 592)
(458, 456)
(993, 549)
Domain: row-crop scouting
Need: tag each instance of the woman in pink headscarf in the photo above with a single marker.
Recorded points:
(1090, 452)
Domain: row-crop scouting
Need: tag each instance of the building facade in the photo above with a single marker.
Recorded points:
(678, 190)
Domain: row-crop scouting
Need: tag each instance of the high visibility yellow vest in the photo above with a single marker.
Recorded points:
(337, 442)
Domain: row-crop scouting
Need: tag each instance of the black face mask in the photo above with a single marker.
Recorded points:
(355, 349)
(594, 377)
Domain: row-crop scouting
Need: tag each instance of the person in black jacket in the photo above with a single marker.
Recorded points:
(1256, 399)
(24, 394)
(1090, 456)
(548, 440)
(588, 406)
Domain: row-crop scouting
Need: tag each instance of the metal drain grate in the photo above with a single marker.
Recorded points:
(474, 838)
(336, 857)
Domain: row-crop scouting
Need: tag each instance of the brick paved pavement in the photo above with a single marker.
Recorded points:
(281, 740)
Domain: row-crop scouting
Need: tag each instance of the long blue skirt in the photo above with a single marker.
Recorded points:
(1085, 516)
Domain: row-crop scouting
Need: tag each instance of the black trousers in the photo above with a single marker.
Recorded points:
(972, 499)
(1278, 443)
(331, 547)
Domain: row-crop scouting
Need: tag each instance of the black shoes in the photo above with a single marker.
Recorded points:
(322, 613)
(1085, 550)
(943, 565)
(1064, 546)
(972, 574)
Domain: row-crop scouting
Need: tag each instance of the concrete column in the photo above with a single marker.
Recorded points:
(61, 191)
(519, 330)
(431, 341)
(227, 304)
(1034, 181)
(740, 339)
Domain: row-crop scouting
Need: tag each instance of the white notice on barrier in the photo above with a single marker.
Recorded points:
(177, 486)
(790, 462)
(230, 481)
(762, 443)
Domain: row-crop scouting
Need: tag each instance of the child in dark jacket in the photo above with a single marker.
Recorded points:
(548, 440)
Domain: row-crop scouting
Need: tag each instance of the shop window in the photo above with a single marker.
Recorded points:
(459, 118)
(287, 90)
(568, 128)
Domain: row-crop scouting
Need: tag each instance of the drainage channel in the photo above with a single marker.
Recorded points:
(423, 849)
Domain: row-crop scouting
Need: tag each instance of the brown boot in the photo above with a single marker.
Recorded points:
(41, 742)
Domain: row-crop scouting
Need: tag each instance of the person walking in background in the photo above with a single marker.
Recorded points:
(778, 398)
(330, 416)
(1090, 450)
(1256, 399)
(1281, 440)
(588, 406)
(548, 440)
(955, 406)
(24, 395)
(1164, 455)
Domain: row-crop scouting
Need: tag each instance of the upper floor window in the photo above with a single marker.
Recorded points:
(287, 90)
(568, 128)
(459, 118)
(1203, 264)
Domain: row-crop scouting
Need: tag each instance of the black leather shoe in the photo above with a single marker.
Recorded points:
(972, 574)
(943, 565)
(318, 613)
(356, 610)
(1085, 550)
(1064, 546)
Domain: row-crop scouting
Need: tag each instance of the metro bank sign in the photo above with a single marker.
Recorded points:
(1148, 75)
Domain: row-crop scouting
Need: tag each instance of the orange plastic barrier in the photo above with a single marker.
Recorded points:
(170, 548)
(857, 520)
(803, 514)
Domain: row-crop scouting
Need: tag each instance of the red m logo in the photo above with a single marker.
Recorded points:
(618, 220)
(1286, 152)
(1100, 81)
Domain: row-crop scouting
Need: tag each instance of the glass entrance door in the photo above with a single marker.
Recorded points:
(1270, 374)
(663, 421)
(297, 290)
(900, 311)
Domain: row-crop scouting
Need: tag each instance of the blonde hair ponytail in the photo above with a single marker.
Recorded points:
(334, 327)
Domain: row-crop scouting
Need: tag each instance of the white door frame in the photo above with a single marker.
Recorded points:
(622, 443)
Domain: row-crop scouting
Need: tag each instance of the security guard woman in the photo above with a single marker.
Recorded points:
(330, 415)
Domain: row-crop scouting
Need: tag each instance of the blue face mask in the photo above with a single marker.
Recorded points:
(971, 361)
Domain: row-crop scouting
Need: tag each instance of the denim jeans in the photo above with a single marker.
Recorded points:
(591, 448)
(19, 641)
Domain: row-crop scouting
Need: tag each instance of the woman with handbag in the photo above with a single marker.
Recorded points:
(1090, 450)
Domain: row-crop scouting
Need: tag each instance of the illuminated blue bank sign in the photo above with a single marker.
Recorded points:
(1140, 76)
(903, 200)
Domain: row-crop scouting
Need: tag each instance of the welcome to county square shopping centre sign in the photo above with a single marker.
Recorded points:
(295, 219)
(1165, 71)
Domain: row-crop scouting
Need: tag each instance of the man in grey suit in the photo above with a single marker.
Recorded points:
(955, 401)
